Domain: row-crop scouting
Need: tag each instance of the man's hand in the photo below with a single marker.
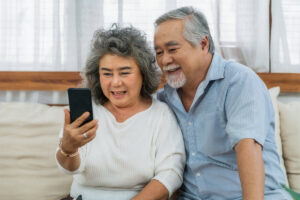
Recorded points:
(251, 169)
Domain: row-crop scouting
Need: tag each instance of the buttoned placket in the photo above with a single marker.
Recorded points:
(190, 131)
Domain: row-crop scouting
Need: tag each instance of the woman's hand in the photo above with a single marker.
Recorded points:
(74, 135)
(154, 190)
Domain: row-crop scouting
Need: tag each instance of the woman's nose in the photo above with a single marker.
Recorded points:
(116, 81)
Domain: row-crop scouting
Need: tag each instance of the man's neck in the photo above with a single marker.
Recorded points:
(188, 91)
(187, 98)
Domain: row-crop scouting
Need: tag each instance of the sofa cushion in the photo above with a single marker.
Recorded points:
(290, 137)
(28, 141)
(274, 92)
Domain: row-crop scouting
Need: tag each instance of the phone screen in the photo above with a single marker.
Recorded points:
(80, 101)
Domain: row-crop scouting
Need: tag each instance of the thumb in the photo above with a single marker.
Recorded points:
(67, 117)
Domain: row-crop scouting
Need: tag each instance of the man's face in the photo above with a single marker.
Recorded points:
(178, 59)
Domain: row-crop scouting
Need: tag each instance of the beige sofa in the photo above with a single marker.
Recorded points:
(28, 140)
(29, 137)
(287, 136)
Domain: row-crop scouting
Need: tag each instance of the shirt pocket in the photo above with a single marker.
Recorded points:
(211, 137)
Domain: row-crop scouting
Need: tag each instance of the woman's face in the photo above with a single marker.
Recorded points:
(121, 80)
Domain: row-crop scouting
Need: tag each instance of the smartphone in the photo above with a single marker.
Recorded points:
(80, 101)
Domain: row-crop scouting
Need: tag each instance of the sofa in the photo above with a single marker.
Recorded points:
(28, 141)
(29, 138)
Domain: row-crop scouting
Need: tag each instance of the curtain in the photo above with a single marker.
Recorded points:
(54, 35)
(47, 35)
(252, 33)
(50, 35)
(285, 40)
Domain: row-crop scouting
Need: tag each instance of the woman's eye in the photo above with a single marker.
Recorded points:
(124, 73)
(107, 74)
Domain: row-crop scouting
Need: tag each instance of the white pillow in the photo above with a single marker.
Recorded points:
(28, 141)
(274, 92)
(290, 135)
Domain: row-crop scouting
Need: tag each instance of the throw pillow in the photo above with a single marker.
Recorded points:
(290, 135)
(28, 141)
(274, 92)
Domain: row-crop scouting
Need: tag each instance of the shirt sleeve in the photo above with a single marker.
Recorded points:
(82, 153)
(170, 153)
(248, 108)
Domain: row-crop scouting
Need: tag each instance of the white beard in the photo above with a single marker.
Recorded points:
(176, 80)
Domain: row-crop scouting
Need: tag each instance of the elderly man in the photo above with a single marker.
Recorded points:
(224, 111)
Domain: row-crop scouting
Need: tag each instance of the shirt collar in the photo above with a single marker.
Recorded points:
(215, 71)
(216, 68)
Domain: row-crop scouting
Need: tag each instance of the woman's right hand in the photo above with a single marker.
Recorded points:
(74, 135)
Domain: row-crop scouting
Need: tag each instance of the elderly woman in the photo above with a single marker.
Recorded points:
(134, 147)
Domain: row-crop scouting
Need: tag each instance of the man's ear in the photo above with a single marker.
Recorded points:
(204, 43)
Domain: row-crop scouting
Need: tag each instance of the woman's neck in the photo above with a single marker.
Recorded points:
(121, 114)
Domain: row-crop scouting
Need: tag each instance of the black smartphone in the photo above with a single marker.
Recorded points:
(80, 101)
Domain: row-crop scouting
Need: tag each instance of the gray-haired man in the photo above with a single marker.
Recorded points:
(224, 111)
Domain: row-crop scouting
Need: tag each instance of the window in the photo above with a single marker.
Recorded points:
(286, 36)
(54, 35)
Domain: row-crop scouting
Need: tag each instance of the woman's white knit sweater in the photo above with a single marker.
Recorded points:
(124, 157)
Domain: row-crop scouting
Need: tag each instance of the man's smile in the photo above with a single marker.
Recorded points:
(171, 68)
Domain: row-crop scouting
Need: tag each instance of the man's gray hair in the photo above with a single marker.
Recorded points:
(195, 25)
(125, 42)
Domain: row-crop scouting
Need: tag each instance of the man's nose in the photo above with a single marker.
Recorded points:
(167, 59)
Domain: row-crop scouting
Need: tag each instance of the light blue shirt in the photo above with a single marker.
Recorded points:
(231, 104)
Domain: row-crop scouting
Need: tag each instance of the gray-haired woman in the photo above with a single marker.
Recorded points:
(134, 147)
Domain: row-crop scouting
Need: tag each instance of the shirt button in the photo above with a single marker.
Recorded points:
(193, 153)
(190, 123)
(198, 174)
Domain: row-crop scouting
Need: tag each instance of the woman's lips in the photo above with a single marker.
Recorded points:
(118, 94)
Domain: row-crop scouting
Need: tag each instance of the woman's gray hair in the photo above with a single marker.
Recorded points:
(125, 42)
(195, 25)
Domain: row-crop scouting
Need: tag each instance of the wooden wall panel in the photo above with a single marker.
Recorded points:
(288, 82)
(61, 81)
(58, 81)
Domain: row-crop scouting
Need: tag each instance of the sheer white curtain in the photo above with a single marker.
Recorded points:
(54, 35)
(240, 29)
(252, 33)
(47, 35)
(50, 35)
(285, 41)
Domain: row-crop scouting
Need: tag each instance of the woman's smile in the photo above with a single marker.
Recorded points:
(121, 80)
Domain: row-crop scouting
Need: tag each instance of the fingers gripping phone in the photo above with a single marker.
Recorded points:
(80, 101)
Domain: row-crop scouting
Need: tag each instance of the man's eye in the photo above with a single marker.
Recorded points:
(158, 53)
(172, 50)
(107, 74)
